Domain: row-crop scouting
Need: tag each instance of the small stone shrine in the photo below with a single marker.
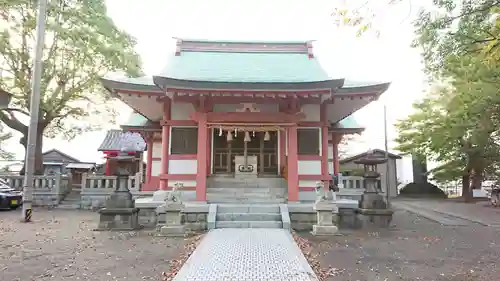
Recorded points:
(119, 212)
(373, 208)
(326, 211)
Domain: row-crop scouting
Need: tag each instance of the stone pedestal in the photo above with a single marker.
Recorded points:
(380, 218)
(326, 215)
(172, 226)
(118, 219)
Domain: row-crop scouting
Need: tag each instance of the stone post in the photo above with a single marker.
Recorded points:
(57, 191)
(171, 223)
(326, 215)
(84, 181)
(172, 226)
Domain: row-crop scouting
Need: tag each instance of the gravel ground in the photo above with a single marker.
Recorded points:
(414, 249)
(60, 245)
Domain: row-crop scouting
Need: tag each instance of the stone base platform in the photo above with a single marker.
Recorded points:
(380, 218)
(120, 219)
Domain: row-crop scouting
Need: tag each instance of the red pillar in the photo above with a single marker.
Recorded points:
(165, 136)
(293, 165)
(324, 152)
(149, 160)
(108, 168)
(209, 150)
(335, 151)
(324, 142)
(201, 176)
(282, 156)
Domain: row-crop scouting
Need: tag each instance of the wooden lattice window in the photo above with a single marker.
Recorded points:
(184, 141)
(308, 141)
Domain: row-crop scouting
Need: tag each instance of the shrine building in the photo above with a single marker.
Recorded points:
(242, 110)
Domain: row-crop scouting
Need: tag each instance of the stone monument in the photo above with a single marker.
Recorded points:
(171, 210)
(326, 211)
(373, 208)
(119, 212)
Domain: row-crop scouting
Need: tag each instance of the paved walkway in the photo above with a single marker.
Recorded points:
(247, 254)
(452, 213)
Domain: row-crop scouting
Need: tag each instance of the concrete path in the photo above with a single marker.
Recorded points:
(480, 212)
(247, 254)
(441, 218)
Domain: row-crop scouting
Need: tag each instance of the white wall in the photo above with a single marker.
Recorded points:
(156, 168)
(157, 149)
(186, 183)
(311, 112)
(309, 167)
(181, 111)
(187, 166)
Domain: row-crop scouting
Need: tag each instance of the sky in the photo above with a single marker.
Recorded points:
(385, 58)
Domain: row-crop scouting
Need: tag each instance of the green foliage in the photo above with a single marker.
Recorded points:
(422, 190)
(82, 44)
(361, 15)
(457, 122)
(4, 153)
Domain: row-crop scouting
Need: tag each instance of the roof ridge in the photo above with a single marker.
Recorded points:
(243, 47)
(245, 41)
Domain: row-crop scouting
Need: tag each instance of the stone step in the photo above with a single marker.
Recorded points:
(68, 206)
(248, 208)
(248, 224)
(246, 201)
(246, 190)
(248, 217)
(244, 195)
(233, 184)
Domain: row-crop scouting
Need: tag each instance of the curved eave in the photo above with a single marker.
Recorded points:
(165, 82)
(150, 126)
(116, 85)
(346, 131)
(376, 88)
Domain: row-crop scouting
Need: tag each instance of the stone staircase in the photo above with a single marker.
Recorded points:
(248, 216)
(72, 200)
(246, 191)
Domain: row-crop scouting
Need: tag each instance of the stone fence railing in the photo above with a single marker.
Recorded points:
(106, 184)
(96, 188)
(352, 187)
(48, 190)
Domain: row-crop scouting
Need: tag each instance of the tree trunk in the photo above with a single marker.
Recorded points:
(477, 180)
(38, 153)
(466, 190)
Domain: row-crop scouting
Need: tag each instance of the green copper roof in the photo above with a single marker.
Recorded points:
(244, 67)
(136, 120)
(348, 123)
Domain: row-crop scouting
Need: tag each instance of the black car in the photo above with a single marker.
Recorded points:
(9, 197)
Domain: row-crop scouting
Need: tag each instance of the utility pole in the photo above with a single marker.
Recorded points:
(34, 112)
(387, 164)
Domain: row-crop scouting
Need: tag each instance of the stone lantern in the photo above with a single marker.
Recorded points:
(373, 207)
(119, 212)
